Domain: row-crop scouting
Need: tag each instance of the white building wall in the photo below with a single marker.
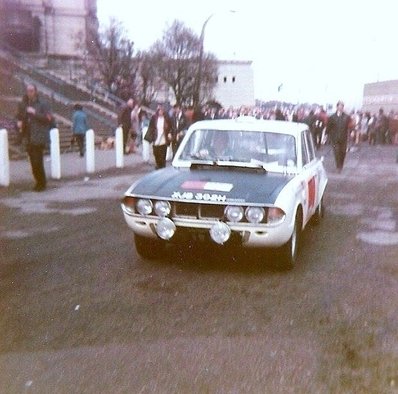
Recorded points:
(64, 24)
(235, 84)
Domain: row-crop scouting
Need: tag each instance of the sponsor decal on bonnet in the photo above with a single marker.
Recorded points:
(203, 185)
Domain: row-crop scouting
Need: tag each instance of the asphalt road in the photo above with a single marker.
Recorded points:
(80, 312)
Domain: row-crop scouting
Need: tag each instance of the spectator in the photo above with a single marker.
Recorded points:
(338, 132)
(364, 126)
(310, 122)
(381, 127)
(34, 119)
(319, 127)
(134, 127)
(158, 134)
(124, 121)
(279, 115)
(179, 127)
(372, 130)
(79, 127)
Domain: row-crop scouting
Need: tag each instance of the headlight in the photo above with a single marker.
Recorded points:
(165, 228)
(255, 214)
(233, 213)
(275, 215)
(162, 208)
(144, 207)
(220, 232)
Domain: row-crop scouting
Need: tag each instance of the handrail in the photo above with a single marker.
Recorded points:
(63, 100)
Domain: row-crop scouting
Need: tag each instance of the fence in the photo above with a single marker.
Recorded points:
(55, 154)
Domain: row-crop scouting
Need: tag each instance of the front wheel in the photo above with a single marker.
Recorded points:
(149, 248)
(289, 251)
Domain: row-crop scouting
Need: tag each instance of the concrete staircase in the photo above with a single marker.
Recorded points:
(15, 74)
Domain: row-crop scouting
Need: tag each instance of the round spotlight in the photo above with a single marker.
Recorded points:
(255, 214)
(144, 207)
(220, 232)
(165, 228)
(233, 213)
(162, 208)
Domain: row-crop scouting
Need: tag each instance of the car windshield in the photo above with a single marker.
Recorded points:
(240, 146)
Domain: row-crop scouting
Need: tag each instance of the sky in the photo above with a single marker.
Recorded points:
(318, 51)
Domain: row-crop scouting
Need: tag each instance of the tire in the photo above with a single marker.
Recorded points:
(319, 213)
(149, 248)
(289, 251)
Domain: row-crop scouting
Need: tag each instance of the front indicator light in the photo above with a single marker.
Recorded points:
(144, 207)
(162, 208)
(275, 215)
(220, 232)
(233, 213)
(165, 228)
(128, 204)
(254, 214)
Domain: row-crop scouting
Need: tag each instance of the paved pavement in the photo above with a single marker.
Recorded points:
(74, 166)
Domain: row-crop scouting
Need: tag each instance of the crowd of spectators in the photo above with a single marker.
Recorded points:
(373, 128)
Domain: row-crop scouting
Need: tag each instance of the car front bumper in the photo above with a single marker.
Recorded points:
(250, 235)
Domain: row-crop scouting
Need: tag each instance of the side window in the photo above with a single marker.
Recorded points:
(304, 150)
(307, 147)
(310, 145)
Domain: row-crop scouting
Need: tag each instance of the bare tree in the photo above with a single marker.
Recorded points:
(177, 55)
(113, 53)
(150, 82)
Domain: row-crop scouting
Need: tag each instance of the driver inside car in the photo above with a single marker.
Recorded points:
(219, 148)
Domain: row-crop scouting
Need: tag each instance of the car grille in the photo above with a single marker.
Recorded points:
(197, 211)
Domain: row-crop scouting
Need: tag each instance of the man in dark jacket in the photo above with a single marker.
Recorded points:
(124, 121)
(179, 127)
(381, 127)
(34, 119)
(337, 129)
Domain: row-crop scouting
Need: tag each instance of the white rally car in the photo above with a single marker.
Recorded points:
(247, 182)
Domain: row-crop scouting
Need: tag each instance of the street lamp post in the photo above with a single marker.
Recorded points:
(196, 98)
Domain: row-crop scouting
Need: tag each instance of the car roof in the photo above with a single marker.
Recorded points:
(249, 123)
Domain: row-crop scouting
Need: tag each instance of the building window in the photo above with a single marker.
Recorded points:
(233, 79)
(225, 79)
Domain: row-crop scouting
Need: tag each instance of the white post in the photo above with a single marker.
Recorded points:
(145, 146)
(4, 159)
(55, 154)
(119, 147)
(90, 155)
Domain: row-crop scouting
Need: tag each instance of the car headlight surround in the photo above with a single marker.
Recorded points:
(255, 214)
(162, 208)
(144, 206)
(234, 213)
